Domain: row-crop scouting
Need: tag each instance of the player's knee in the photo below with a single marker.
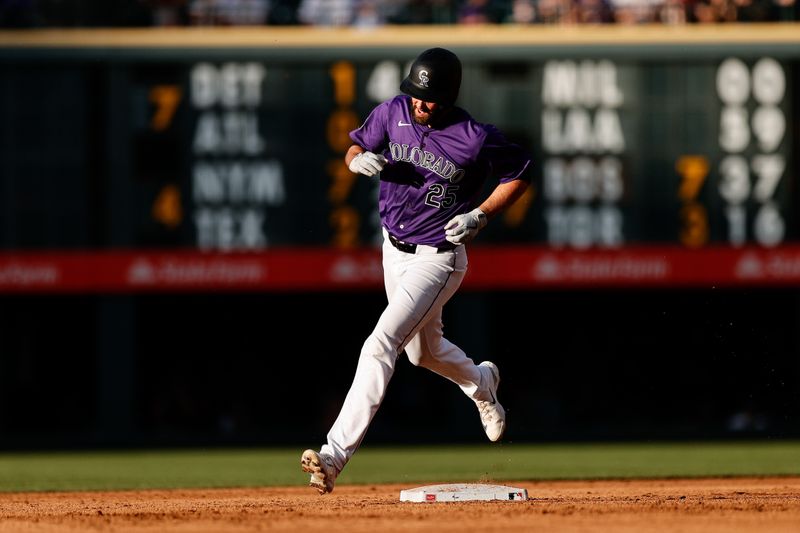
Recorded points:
(419, 359)
(417, 354)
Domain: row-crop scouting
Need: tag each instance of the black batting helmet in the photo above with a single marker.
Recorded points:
(435, 76)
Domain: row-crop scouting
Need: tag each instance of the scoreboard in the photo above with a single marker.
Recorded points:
(661, 155)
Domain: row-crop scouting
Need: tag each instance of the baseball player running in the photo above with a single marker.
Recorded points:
(433, 160)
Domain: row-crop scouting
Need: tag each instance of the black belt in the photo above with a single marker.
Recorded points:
(409, 247)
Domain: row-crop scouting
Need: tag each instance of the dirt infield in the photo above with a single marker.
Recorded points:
(696, 505)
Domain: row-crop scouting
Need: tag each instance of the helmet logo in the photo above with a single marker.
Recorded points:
(423, 78)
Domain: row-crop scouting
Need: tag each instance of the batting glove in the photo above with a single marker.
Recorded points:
(367, 163)
(462, 228)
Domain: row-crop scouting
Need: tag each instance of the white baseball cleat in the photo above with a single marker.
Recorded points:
(493, 416)
(323, 473)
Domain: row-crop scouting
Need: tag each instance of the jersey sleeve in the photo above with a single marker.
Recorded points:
(508, 161)
(372, 134)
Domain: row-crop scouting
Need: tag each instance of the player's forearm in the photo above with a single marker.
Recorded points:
(503, 196)
(353, 151)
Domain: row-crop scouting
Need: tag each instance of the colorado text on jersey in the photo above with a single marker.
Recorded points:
(426, 159)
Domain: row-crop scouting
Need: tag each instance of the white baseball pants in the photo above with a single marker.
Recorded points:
(417, 286)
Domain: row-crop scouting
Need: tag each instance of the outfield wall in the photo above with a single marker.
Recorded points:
(179, 240)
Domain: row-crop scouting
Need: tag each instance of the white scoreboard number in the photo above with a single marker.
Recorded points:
(760, 131)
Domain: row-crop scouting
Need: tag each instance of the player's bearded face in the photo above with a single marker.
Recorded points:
(424, 112)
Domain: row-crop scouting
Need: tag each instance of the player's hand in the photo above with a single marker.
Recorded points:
(462, 228)
(367, 163)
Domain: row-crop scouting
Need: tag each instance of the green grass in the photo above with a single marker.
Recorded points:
(264, 467)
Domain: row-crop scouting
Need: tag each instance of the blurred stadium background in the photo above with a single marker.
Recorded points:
(179, 240)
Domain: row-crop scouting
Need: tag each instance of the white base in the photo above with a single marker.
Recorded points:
(463, 492)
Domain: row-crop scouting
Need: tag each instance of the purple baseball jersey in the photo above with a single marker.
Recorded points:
(434, 174)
